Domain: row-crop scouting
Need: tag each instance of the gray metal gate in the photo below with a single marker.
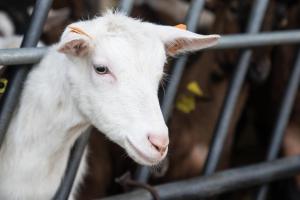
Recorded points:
(211, 183)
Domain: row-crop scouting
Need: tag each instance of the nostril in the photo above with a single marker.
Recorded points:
(156, 147)
(160, 143)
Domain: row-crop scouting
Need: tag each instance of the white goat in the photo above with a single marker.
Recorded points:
(104, 72)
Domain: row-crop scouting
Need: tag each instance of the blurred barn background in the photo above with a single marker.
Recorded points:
(200, 96)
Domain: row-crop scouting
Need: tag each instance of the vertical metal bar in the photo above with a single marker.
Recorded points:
(73, 164)
(221, 129)
(191, 20)
(66, 185)
(282, 120)
(126, 6)
(18, 74)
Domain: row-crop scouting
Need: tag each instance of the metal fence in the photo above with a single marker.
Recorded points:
(211, 183)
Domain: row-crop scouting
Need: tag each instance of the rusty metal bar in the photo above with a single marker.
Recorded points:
(220, 182)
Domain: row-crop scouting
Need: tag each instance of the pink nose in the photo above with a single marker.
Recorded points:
(159, 142)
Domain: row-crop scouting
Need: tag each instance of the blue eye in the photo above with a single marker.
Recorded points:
(101, 69)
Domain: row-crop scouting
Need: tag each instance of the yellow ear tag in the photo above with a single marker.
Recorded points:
(186, 104)
(194, 88)
(181, 26)
(3, 85)
(79, 31)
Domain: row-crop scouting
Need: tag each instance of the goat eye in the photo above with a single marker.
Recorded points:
(101, 69)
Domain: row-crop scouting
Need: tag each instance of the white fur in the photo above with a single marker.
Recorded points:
(63, 95)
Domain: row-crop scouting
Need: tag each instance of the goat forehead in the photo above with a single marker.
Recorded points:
(124, 43)
(140, 52)
(117, 22)
(113, 23)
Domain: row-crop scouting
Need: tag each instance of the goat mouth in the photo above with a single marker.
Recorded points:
(140, 153)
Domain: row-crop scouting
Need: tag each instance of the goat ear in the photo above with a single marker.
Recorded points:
(177, 40)
(77, 47)
(75, 42)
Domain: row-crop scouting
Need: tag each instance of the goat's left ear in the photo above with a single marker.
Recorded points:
(177, 40)
(75, 42)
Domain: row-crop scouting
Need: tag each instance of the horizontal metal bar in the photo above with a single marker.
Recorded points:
(220, 182)
(258, 40)
(33, 55)
(21, 56)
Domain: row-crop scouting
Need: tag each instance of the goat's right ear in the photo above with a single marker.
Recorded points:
(75, 42)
